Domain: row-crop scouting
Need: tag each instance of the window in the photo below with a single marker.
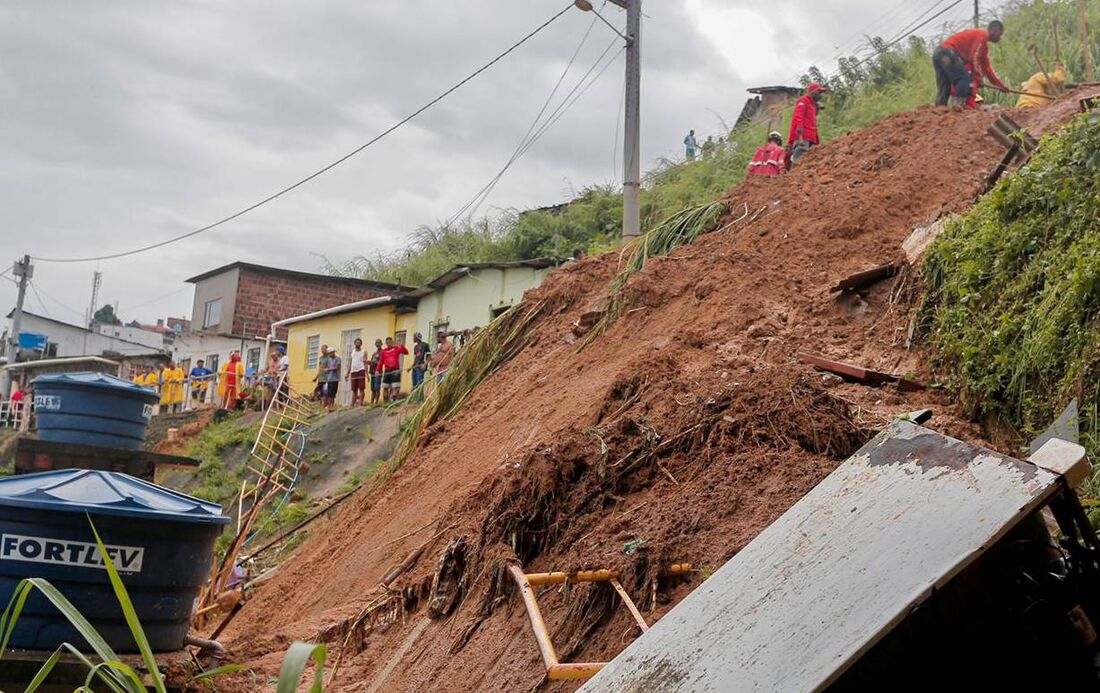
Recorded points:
(212, 313)
(498, 311)
(253, 359)
(438, 329)
(212, 362)
(400, 338)
(313, 345)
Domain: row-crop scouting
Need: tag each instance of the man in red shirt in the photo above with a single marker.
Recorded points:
(804, 134)
(389, 364)
(966, 48)
(768, 160)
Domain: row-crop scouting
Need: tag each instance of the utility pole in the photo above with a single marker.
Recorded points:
(23, 270)
(632, 166)
(977, 15)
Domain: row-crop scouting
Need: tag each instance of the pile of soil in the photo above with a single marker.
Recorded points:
(675, 437)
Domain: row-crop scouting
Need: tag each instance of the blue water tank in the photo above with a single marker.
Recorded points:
(92, 409)
(161, 541)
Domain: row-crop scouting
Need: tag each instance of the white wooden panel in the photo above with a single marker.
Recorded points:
(834, 574)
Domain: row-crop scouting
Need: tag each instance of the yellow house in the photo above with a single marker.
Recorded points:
(339, 327)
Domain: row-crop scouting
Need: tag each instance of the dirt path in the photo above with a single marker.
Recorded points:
(676, 437)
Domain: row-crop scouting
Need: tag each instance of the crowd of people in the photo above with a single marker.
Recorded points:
(381, 369)
(234, 384)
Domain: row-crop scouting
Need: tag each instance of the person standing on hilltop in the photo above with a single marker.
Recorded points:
(375, 367)
(390, 360)
(768, 160)
(444, 352)
(966, 48)
(690, 146)
(804, 135)
(357, 373)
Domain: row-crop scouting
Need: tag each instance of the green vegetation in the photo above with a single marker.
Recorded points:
(1013, 304)
(898, 78)
(217, 482)
(111, 671)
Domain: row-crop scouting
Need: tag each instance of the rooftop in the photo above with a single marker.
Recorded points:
(397, 288)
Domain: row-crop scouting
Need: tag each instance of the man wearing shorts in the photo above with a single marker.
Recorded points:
(329, 379)
(444, 352)
(390, 362)
(357, 373)
(376, 372)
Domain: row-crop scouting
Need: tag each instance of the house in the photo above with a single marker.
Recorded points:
(235, 305)
(470, 296)
(62, 340)
(767, 106)
(339, 327)
(24, 372)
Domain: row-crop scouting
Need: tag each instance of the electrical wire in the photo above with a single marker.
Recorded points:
(486, 189)
(471, 207)
(39, 298)
(67, 307)
(326, 168)
(910, 32)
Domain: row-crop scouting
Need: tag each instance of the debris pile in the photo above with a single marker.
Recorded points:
(673, 437)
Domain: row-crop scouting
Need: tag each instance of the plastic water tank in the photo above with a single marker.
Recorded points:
(161, 542)
(92, 409)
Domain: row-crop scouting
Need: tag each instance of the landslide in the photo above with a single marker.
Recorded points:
(676, 436)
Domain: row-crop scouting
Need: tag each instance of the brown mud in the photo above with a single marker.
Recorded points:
(675, 437)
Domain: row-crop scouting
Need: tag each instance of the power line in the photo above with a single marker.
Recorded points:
(40, 301)
(327, 168)
(567, 102)
(488, 188)
(45, 293)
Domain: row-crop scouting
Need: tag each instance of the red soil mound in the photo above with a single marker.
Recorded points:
(675, 437)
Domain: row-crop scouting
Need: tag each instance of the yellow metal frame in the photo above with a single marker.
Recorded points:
(556, 670)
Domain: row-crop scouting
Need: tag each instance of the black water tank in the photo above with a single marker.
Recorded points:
(160, 540)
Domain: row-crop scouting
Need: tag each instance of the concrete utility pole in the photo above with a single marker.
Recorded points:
(977, 15)
(23, 270)
(632, 166)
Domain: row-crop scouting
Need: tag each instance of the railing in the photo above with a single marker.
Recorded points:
(15, 415)
(195, 393)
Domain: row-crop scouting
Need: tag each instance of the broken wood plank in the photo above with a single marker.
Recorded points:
(859, 373)
(865, 278)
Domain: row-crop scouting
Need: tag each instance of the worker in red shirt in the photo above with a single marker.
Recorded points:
(804, 134)
(965, 49)
(768, 160)
(389, 364)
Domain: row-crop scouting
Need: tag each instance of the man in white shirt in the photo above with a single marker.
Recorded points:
(357, 373)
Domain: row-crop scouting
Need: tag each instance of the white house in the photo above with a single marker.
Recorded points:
(64, 340)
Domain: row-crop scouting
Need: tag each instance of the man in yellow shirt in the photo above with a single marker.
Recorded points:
(1037, 87)
(173, 387)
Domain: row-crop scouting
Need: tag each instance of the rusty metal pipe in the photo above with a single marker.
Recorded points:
(554, 670)
(557, 578)
(534, 615)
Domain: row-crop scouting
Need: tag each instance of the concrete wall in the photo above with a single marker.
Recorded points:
(133, 334)
(189, 347)
(371, 323)
(223, 286)
(471, 301)
(73, 340)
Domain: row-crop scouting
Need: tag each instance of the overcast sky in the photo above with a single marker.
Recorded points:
(125, 123)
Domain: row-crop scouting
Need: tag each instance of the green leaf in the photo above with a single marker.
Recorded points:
(220, 671)
(130, 614)
(47, 667)
(295, 662)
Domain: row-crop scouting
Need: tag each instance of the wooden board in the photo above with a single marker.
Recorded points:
(838, 571)
(865, 278)
(33, 455)
(863, 375)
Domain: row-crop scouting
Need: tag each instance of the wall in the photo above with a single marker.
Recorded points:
(133, 334)
(469, 302)
(223, 286)
(72, 340)
(192, 346)
(372, 323)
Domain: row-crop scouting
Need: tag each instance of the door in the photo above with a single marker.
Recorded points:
(347, 339)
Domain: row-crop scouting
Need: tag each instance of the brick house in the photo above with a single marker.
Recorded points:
(235, 305)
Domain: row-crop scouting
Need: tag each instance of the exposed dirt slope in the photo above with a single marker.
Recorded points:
(676, 437)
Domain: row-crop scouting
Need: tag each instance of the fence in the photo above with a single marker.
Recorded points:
(14, 415)
(205, 391)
